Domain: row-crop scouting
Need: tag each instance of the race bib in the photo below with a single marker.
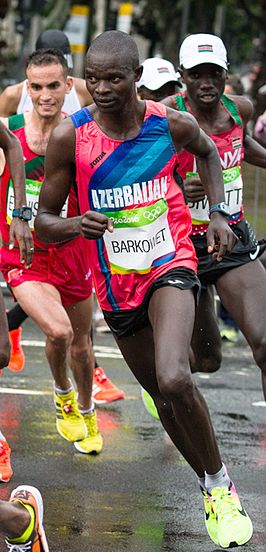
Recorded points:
(33, 188)
(141, 239)
(233, 191)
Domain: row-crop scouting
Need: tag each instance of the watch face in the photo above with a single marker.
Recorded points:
(26, 213)
(220, 208)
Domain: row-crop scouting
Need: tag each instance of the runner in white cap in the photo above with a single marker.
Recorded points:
(240, 278)
(158, 80)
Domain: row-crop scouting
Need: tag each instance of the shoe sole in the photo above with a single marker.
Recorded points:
(239, 543)
(39, 501)
(79, 449)
(5, 480)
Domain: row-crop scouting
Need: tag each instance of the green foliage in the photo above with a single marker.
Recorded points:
(243, 24)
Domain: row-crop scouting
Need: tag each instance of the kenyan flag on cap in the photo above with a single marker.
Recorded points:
(236, 143)
(205, 48)
(163, 70)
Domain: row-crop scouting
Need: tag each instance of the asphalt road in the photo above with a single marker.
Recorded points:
(139, 494)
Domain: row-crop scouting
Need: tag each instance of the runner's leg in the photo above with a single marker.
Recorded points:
(159, 360)
(206, 343)
(42, 303)
(243, 293)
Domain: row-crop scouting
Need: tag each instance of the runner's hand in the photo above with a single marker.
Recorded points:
(194, 189)
(19, 231)
(92, 225)
(220, 238)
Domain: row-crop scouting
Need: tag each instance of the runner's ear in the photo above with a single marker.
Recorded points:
(69, 84)
(138, 73)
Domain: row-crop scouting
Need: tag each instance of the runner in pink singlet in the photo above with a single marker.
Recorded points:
(122, 153)
(239, 278)
(153, 206)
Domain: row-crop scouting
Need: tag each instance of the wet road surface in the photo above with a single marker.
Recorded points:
(138, 495)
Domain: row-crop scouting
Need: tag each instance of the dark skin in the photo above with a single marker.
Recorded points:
(119, 114)
(205, 85)
(157, 95)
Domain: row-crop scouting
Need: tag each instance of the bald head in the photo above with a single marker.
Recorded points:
(117, 44)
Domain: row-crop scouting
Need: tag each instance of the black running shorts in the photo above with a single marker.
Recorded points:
(246, 250)
(128, 322)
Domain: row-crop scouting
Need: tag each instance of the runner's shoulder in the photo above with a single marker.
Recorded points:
(63, 136)
(245, 106)
(185, 122)
(168, 102)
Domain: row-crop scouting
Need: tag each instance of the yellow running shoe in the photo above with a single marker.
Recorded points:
(149, 404)
(69, 422)
(234, 527)
(229, 333)
(210, 518)
(93, 444)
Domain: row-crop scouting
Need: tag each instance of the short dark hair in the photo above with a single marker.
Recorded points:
(48, 56)
(116, 42)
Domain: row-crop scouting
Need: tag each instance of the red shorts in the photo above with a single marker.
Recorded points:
(65, 267)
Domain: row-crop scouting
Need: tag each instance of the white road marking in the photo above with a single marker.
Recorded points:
(10, 391)
(259, 403)
(100, 350)
(241, 373)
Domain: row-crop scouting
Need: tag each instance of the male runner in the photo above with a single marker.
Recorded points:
(122, 152)
(240, 278)
(56, 291)
(16, 99)
(158, 80)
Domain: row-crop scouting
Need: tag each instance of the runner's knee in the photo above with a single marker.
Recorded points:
(60, 335)
(81, 353)
(209, 364)
(177, 386)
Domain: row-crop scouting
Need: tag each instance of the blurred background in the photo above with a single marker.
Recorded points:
(158, 27)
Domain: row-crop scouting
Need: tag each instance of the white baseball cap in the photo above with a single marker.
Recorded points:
(202, 48)
(156, 73)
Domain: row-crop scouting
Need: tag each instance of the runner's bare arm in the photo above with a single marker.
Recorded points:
(255, 154)
(59, 175)
(187, 134)
(9, 99)
(82, 92)
(19, 229)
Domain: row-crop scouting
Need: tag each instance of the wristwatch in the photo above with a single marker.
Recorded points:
(23, 213)
(220, 208)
